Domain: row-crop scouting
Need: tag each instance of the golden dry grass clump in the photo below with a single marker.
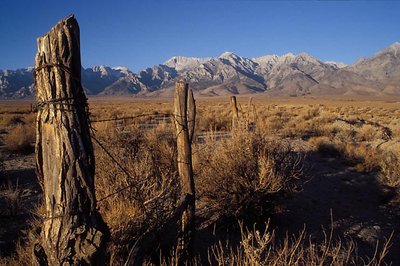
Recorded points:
(138, 195)
(239, 177)
(259, 248)
(390, 169)
(17, 127)
(20, 138)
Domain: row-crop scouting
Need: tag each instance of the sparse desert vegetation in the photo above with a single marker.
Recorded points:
(314, 182)
(202, 159)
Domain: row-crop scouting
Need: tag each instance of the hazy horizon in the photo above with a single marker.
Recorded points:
(141, 34)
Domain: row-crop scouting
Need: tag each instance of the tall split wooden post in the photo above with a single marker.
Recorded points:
(184, 122)
(191, 114)
(235, 113)
(73, 233)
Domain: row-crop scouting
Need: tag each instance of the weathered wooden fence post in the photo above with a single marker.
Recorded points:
(184, 123)
(235, 113)
(251, 116)
(73, 232)
(191, 111)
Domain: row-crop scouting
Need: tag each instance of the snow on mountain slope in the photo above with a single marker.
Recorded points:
(230, 73)
(181, 63)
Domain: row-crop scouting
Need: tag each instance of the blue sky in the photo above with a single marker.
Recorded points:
(138, 34)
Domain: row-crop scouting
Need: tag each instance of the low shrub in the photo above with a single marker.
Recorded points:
(12, 196)
(140, 197)
(7, 120)
(239, 177)
(365, 158)
(20, 138)
(390, 170)
(325, 147)
(261, 248)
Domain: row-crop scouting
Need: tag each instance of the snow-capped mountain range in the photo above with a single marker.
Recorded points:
(286, 75)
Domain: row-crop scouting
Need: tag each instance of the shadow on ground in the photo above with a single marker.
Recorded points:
(20, 193)
(357, 204)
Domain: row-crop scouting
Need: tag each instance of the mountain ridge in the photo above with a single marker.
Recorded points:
(229, 73)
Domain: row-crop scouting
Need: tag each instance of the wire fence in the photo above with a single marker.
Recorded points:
(113, 158)
(159, 118)
(162, 119)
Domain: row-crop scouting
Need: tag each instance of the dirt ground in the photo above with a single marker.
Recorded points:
(359, 207)
(19, 178)
(354, 203)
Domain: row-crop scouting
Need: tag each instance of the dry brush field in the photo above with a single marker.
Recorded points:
(302, 181)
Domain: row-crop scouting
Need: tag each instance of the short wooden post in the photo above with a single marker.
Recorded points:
(251, 116)
(184, 131)
(73, 232)
(249, 108)
(235, 113)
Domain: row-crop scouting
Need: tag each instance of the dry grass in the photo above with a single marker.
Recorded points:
(8, 120)
(390, 170)
(12, 196)
(236, 178)
(20, 138)
(144, 194)
(17, 128)
(363, 157)
(259, 167)
(262, 248)
(25, 245)
(239, 177)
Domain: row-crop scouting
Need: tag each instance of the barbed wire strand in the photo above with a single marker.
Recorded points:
(80, 104)
(125, 171)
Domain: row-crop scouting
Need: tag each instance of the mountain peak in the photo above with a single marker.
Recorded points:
(395, 45)
(336, 64)
(288, 55)
(266, 61)
(103, 69)
(289, 74)
(305, 55)
(122, 69)
(393, 48)
(308, 57)
(227, 55)
(182, 63)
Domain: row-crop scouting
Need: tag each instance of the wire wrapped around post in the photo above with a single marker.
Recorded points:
(73, 232)
(184, 123)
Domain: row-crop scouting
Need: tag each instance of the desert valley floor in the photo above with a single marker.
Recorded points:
(344, 154)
